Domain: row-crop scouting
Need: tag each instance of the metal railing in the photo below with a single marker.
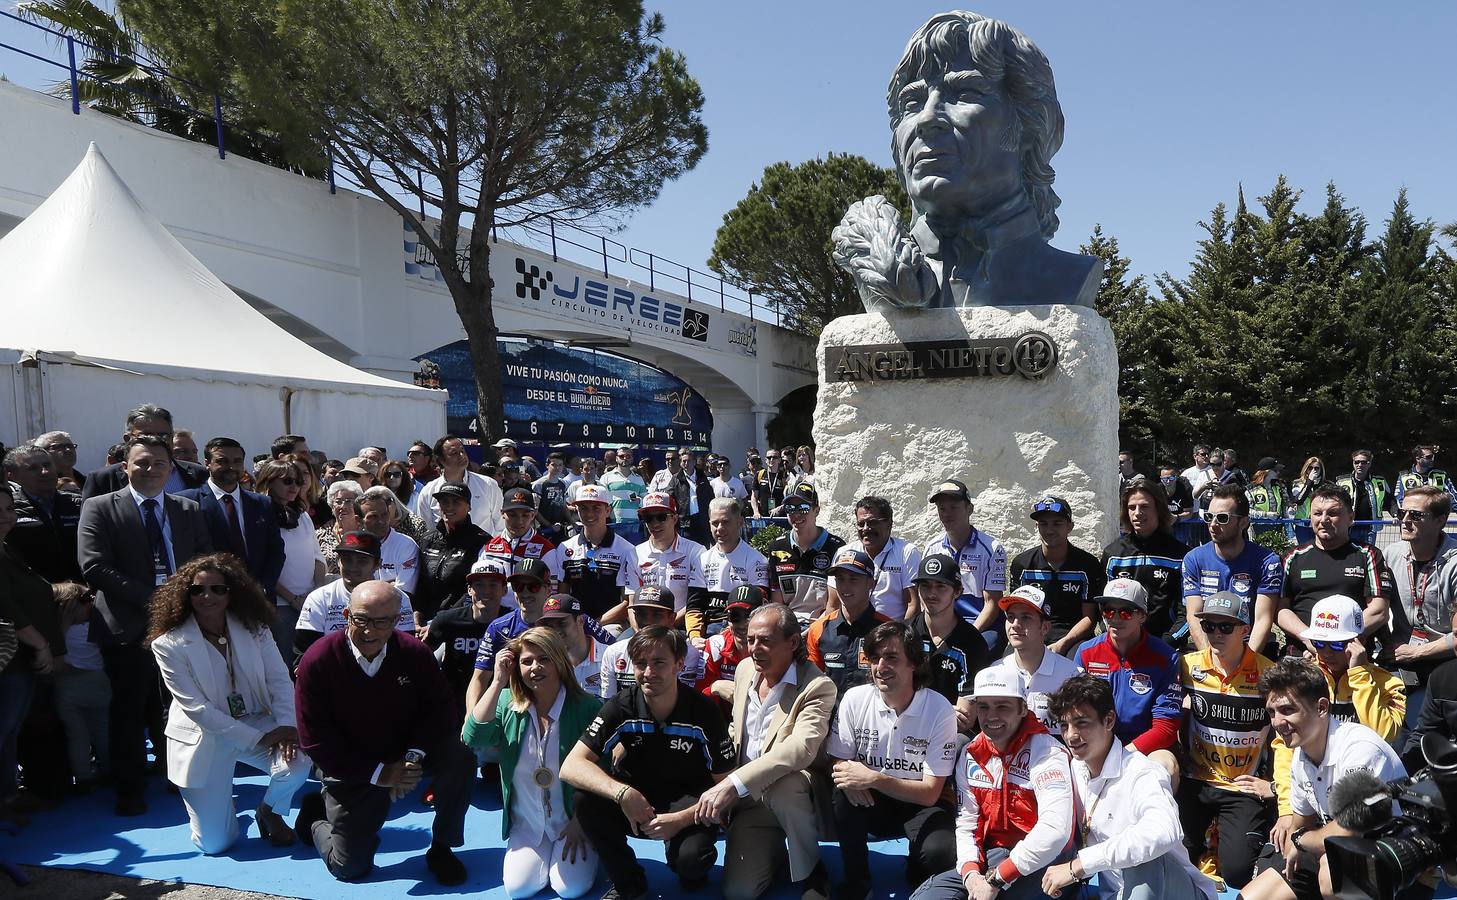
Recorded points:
(553, 236)
(1379, 533)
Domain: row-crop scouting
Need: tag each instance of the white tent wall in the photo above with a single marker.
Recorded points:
(91, 402)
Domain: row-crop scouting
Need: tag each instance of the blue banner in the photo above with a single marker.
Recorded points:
(554, 394)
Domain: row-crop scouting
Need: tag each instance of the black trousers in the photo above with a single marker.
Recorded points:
(931, 830)
(690, 853)
(136, 701)
(1244, 827)
(44, 755)
(348, 836)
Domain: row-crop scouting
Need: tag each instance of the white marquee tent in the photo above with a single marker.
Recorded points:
(103, 309)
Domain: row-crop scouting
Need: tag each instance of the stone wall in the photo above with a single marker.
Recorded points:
(1009, 438)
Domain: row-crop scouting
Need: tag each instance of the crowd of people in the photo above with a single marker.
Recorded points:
(600, 642)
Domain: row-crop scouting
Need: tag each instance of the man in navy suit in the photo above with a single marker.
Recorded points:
(132, 540)
(145, 419)
(240, 522)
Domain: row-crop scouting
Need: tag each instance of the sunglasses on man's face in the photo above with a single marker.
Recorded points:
(1333, 646)
(1119, 612)
(1411, 515)
(1217, 518)
(1221, 627)
(653, 518)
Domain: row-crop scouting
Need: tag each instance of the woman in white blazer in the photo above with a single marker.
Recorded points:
(232, 700)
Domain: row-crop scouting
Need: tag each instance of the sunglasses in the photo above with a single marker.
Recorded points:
(1216, 518)
(1333, 646)
(654, 518)
(197, 590)
(288, 481)
(867, 524)
(1221, 627)
(1123, 612)
(1411, 515)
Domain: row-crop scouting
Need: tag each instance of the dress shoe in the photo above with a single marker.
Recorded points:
(272, 827)
(310, 812)
(444, 865)
(129, 805)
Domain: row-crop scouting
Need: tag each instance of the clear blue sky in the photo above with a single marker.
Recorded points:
(1169, 106)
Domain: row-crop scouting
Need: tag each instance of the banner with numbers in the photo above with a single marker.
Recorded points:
(569, 394)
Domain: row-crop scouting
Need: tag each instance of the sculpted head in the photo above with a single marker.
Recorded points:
(974, 117)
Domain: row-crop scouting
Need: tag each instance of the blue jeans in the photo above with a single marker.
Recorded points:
(949, 886)
(16, 691)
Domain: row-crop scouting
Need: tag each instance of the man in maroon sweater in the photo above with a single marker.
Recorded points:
(375, 714)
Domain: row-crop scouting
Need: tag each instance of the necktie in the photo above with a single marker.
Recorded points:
(154, 537)
(235, 529)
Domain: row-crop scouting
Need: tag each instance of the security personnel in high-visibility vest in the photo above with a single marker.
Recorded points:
(1372, 496)
(1266, 492)
(1424, 471)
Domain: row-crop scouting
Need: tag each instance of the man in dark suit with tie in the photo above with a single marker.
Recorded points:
(132, 540)
(145, 419)
(693, 492)
(241, 522)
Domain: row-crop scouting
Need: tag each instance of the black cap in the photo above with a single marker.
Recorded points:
(454, 489)
(939, 567)
(1055, 505)
(803, 496)
(950, 488)
(531, 568)
(746, 596)
(519, 498)
(365, 543)
(560, 606)
(1267, 463)
(652, 595)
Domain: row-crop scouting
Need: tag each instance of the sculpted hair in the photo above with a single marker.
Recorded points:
(151, 442)
(547, 643)
(1297, 677)
(219, 443)
(787, 625)
(284, 444)
(878, 506)
(1331, 491)
(953, 41)
(1081, 690)
(1439, 502)
(728, 503)
(147, 411)
(1232, 492)
(643, 641)
(338, 487)
(439, 449)
(171, 604)
(25, 451)
(1156, 495)
(914, 649)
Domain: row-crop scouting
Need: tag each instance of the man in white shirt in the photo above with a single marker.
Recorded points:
(667, 559)
(399, 556)
(1131, 837)
(650, 606)
(1325, 751)
(896, 560)
(563, 614)
(725, 482)
(664, 476)
(326, 608)
(893, 744)
(485, 493)
(1029, 620)
(781, 717)
(1198, 473)
(728, 563)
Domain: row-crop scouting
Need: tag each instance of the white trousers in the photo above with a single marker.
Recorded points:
(210, 807)
(528, 868)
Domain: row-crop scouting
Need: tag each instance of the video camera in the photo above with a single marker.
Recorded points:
(1394, 849)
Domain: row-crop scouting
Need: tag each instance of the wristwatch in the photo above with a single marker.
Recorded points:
(414, 756)
(995, 880)
(1295, 837)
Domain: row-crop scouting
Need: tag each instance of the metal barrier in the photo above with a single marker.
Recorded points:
(553, 236)
(634, 533)
(1380, 533)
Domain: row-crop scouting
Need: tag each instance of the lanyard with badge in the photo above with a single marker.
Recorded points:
(543, 776)
(237, 708)
(1419, 632)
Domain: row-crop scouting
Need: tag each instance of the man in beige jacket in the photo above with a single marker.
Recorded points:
(781, 717)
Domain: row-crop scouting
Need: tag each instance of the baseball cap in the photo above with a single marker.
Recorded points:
(746, 596)
(534, 569)
(504, 442)
(518, 498)
(950, 488)
(998, 681)
(804, 496)
(1266, 463)
(1027, 595)
(488, 567)
(559, 606)
(658, 500)
(454, 489)
(1335, 618)
(362, 542)
(359, 465)
(1124, 590)
(652, 595)
(1055, 505)
(1226, 605)
(593, 493)
(853, 560)
(938, 567)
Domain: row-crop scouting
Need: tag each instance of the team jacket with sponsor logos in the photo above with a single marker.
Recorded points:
(1146, 691)
(1370, 695)
(1020, 799)
(721, 657)
(983, 564)
(1228, 723)
(1156, 562)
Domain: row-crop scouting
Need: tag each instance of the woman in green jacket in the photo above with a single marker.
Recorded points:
(532, 714)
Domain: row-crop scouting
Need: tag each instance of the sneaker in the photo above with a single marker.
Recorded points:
(444, 865)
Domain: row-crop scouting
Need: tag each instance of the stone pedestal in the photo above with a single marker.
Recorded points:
(939, 394)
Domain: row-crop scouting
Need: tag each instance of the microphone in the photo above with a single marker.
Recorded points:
(1360, 801)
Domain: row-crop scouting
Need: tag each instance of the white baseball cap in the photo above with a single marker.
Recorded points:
(998, 681)
(487, 567)
(1335, 618)
(1124, 590)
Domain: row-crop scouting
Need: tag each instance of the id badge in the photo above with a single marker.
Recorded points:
(1420, 635)
(236, 707)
